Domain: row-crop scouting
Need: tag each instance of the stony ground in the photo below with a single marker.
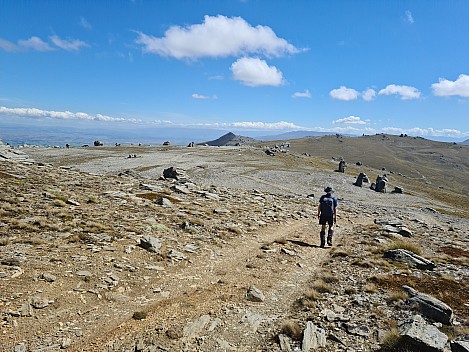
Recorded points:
(74, 276)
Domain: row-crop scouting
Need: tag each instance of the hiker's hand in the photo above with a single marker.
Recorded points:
(318, 216)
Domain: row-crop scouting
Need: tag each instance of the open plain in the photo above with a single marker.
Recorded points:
(100, 252)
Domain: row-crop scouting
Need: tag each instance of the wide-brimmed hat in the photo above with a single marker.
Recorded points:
(328, 190)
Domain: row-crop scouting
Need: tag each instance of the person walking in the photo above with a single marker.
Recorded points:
(327, 215)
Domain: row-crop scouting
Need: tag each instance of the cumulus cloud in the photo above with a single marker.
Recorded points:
(217, 36)
(417, 131)
(200, 96)
(344, 93)
(305, 94)
(406, 92)
(351, 120)
(408, 16)
(61, 115)
(369, 94)
(447, 88)
(68, 44)
(255, 72)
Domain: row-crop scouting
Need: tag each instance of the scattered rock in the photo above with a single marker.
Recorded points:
(410, 258)
(313, 337)
(422, 336)
(429, 306)
(255, 295)
(151, 244)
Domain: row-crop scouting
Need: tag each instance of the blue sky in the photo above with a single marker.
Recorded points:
(266, 66)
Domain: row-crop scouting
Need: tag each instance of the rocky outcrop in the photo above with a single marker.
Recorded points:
(417, 334)
(429, 306)
(410, 258)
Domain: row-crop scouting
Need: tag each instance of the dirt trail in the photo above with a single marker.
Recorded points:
(217, 281)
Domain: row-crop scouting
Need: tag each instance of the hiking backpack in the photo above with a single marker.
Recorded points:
(327, 205)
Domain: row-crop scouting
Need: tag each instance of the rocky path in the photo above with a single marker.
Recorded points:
(279, 262)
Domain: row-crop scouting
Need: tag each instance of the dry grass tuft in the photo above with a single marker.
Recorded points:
(395, 296)
(322, 286)
(329, 278)
(281, 241)
(401, 244)
(292, 329)
(339, 253)
(59, 203)
(370, 288)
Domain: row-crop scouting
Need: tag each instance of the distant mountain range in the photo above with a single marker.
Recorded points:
(466, 142)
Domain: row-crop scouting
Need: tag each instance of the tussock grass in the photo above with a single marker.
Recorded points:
(281, 241)
(370, 288)
(339, 253)
(59, 203)
(322, 286)
(401, 244)
(398, 295)
(329, 278)
(292, 329)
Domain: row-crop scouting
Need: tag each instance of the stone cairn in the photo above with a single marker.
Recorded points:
(380, 185)
(360, 179)
(341, 166)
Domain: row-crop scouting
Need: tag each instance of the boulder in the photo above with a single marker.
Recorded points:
(313, 337)
(429, 306)
(460, 344)
(151, 244)
(408, 257)
(421, 336)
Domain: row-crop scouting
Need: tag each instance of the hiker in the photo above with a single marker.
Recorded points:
(327, 212)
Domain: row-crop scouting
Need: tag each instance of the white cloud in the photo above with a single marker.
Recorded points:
(417, 131)
(344, 93)
(85, 24)
(255, 72)
(68, 44)
(200, 96)
(409, 17)
(61, 115)
(34, 43)
(447, 88)
(405, 92)
(7, 45)
(368, 95)
(217, 36)
(351, 120)
(254, 125)
(305, 94)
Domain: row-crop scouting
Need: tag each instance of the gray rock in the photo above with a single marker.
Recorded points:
(313, 337)
(39, 302)
(255, 295)
(195, 328)
(84, 273)
(174, 254)
(429, 306)
(151, 244)
(422, 336)
(21, 347)
(358, 330)
(284, 342)
(408, 257)
(26, 310)
(48, 277)
(460, 344)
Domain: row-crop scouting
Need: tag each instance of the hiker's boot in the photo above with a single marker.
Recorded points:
(329, 237)
(323, 238)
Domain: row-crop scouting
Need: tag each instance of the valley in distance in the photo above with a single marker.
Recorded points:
(215, 246)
